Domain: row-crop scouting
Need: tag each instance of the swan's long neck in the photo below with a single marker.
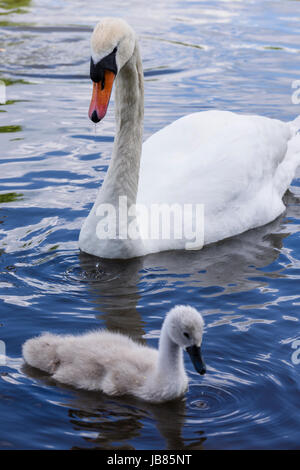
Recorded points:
(170, 357)
(123, 175)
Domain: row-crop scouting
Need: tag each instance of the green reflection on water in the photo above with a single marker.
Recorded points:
(12, 81)
(14, 4)
(12, 102)
(10, 128)
(10, 197)
(273, 48)
(54, 247)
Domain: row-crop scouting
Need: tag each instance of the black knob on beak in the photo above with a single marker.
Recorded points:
(94, 117)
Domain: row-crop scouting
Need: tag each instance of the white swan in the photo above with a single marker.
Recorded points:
(238, 166)
(117, 365)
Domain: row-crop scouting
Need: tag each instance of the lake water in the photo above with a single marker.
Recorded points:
(197, 55)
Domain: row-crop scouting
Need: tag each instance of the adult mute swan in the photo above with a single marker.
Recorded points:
(117, 365)
(237, 166)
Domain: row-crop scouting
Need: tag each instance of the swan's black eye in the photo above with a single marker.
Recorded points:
(186, 335)
(115, 49)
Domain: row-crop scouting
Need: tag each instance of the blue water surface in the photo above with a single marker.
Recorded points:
(197, 55)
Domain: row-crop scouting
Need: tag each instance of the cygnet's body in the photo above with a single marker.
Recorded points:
(116, 365)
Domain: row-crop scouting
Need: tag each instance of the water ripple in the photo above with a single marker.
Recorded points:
(197, 56)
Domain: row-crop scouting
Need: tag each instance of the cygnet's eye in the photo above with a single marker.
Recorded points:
(186, 335)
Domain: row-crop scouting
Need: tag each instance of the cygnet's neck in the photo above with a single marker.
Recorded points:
(170, 356)
(123, 174)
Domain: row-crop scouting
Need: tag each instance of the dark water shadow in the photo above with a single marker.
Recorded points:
(114, 290)
(114, 421)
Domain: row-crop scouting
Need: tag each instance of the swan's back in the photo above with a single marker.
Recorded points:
(203, 152)
(226, 161)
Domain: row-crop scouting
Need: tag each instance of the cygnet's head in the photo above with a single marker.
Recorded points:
(185, 327)
(112, 43)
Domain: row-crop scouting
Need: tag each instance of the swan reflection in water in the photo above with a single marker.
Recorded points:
(112, 422)
(231, 265)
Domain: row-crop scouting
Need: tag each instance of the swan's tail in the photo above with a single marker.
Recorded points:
(41, 352)
(287, 168)
(295, 124)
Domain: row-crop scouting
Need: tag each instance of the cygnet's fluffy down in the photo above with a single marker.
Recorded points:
(117, 365)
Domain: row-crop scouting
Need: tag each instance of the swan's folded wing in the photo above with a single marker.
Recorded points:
(223, 160)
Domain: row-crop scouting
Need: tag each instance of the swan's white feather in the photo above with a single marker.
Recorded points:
(238, 166)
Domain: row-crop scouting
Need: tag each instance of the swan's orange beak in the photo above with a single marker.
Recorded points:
(101, 96)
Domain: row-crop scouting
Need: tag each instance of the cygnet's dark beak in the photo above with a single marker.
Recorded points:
(197, 359)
